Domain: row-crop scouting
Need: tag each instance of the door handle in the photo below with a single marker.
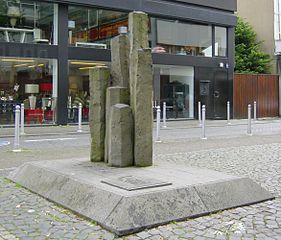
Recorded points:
(216, 94)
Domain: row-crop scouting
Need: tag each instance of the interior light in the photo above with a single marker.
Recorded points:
(85, 63)
(20, 65)
(41, 65)
(16, 60)
(87, 68)
(32, 66)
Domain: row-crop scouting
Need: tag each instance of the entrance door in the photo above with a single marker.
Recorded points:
(212, 91)
(220, 93)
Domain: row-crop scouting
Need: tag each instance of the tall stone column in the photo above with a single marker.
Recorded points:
(120, 59)
(142, 108)
(141, 87)
(99, 81)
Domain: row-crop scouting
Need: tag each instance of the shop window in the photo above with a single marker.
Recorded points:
(184, 38)
(90, 27)
(79, 88)
(26, 21)
(175, 86)
(221, 41)
(31, 82)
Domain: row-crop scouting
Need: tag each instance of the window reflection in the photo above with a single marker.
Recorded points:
(184, 38)
(31, 82)
(220, 41)
(91, 27)
(175, 86)
(26, 21)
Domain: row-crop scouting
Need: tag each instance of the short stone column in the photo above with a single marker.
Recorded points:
(114, 95)
(120, 146)
(99, 81)
(119, 59)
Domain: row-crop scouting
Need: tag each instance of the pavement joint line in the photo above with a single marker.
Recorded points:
(8, 169)
(49, 139)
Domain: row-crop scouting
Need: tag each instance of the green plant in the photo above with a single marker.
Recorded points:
(248, 56)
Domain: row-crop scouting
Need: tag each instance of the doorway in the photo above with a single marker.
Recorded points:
(211, 86)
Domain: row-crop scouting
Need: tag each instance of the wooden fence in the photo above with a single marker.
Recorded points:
(264, 89)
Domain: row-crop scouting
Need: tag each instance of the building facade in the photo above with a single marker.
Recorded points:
(267, 26)
(48, 47)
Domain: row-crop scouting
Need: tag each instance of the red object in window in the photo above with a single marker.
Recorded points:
(34, 114)
(45, 87)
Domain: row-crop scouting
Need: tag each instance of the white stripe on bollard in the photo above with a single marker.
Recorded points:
(255, 111)
(228, 112)
(199, 114)
(17, 130)
(164, 115)
(22, 119)
(249, 127)
(203, 128)
(80, 118)
(158, 124)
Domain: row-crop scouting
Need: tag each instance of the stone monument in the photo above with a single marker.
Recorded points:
(121, 114)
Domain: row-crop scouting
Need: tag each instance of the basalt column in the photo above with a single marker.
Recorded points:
(141, 85)
(99, 81)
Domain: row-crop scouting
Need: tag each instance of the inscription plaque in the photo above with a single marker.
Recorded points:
(132, 183)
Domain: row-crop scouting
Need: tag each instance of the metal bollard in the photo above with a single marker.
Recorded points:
(228, 112)
(249, 128)
(164, 115)
(22, 119)
(17, 130)
(158, 124)
(255, 111)
(203, 129)
(80, 118)
(199, 114)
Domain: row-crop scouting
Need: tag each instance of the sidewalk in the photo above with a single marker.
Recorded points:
(38, 130)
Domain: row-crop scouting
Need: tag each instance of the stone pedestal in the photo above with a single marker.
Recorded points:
(99, 81)
(120, 147)
(114, 95)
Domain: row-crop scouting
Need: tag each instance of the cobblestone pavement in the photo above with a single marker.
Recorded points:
(24, 215)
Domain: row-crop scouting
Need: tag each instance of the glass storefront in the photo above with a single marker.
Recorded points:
(90, 27)
(26, 21)
(31, 82)
(175, 86)
(184, 38)
(79, 88)
(220, 41)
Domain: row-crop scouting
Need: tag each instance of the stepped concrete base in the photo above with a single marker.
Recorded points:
(127, 200)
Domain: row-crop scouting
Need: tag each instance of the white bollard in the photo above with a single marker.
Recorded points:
(158, 124)
(80, 118)
(164, 115)
(249, 128)
(22, 119)
(228, 112)
(199, 114)
(203, 129)
(17, 130)
(255, 111)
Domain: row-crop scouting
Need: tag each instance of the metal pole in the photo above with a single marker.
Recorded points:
(249, 129)
(158, 124)
(228, 112)
(255, 111)
(22, 119)
(17, 130)
(164, 115)
(203, 129)
(80, 118)
(199, 114)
